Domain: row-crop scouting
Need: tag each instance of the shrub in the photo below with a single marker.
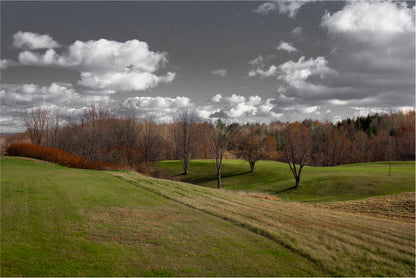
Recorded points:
(56, 156)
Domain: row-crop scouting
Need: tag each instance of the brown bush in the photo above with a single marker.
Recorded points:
(56, 156)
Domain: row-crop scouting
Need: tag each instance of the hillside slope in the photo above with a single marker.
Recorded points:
(58, 221)
(340, 183)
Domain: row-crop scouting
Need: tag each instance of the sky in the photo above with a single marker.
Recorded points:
(244, 61)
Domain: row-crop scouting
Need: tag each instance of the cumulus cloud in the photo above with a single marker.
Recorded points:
(286, 46)
(381, 19)
(239, 108)
(373, 49)
(56, 94)
(107, 65)
(258, 68)
(296, 74)
(4, 64)
(62, 97)
(302, 76)
(163, 109)
(289, 8)
(271, 71)
(297, 31)
(29, 40)
(220, 72)
(217, 98)
(266, 8)
(123, 81)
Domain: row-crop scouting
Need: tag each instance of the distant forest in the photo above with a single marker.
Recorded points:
(96, 135)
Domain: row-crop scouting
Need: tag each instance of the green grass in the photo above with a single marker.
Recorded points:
(57, 221)
(318, 184)
(67, 222)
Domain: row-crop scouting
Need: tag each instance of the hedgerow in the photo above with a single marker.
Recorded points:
(56, 156)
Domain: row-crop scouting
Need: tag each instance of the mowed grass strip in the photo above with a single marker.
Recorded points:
(318, 184)
(399, 206)
(57, 221)
(341, 244)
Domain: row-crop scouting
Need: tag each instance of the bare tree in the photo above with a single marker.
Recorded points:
(297, 144)
(251, 145)
(185, 135)
(221, 140)
(36, 122)
(149, 142)
(52, 134)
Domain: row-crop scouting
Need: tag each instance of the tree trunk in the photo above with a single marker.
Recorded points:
(185, 167)
(297, 178)
(252, 165)
(390, 168)
(219, 179)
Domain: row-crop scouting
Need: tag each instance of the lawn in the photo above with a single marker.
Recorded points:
(68, 222)
(318, 184)
(57, 221)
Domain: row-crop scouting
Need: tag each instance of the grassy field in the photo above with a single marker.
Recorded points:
(57, 221)
(346, 182)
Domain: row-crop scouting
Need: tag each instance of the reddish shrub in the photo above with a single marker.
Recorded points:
(56, 156)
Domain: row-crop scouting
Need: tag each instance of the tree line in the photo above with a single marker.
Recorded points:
(96, 135)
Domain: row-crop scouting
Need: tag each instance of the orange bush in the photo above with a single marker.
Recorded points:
(56, 156)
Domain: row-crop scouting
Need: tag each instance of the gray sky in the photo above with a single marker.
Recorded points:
(248, 61)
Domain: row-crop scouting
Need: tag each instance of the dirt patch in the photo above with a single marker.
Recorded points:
(398, 207)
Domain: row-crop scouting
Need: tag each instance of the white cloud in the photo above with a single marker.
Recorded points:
(239, 108)
(337, 102)
(373, 49)
(101, 56)
(257, 62)
(310, 109)
(4, 64)
(123, 81)
(164, 109)
(266, 8)
(286, 46)
(29, 40)
(272, 71)
(297, 31)
(107, 65)
(56, 94)
(362, 19)
(217, 98)
(220, 72)
(297, 73)
(258, 68)
(289, 8)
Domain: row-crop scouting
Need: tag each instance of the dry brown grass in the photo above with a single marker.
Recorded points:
(263, 196)
(397, 207)
(339, 242)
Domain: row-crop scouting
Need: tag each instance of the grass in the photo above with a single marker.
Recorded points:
(68, 222)
(57, 221)
(400, 207)
(318, 184)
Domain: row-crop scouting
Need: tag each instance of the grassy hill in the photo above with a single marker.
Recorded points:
(346, 182)
(69, 222)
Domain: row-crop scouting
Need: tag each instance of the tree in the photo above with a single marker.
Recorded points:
(36, 122)
(297, 144)
(185, 135)
(149, 142)
(221, 140)
(251, 145)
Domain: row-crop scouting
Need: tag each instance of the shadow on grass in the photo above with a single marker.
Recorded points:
(210, 178)
(286, 190)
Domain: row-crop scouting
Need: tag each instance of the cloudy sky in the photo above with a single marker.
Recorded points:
(248, 61)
